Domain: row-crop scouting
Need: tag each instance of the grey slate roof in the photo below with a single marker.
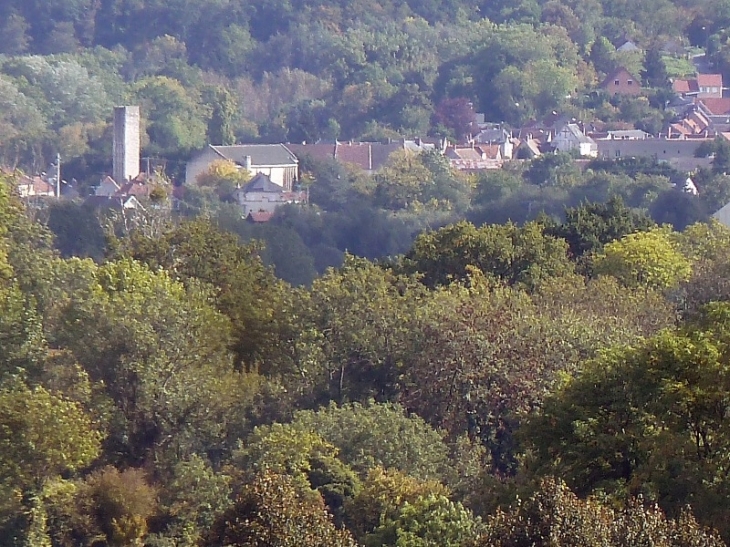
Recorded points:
(261, 154)
(578, 134)
(262, 183)
(628, 46)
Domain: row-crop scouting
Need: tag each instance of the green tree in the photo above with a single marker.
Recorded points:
(655, 71)
(193, 498)
(246, 291)
(511, 254)
(645, 419)
(271, 511)
(305, 457)
(552, 170)
(77, 231)
(402, 181)
(220, 125)
(553, 515)
(358, 332)
(588, 227)
(430, 521)
(602, 55)
(372, 434)
(175, 117)
(222, 177)
(383, 495)
(15, 29)
(43, 435)
(121, 503)
(160, 350)
(647, 259)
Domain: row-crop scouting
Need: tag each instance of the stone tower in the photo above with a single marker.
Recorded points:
(125, 160)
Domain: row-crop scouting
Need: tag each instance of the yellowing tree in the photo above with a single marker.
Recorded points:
(649, 259)
(221, 173)
(42, 435)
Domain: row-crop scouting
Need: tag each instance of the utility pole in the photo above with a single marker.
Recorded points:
(58, 176)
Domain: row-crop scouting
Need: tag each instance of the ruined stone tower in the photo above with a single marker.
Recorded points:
(125, 160)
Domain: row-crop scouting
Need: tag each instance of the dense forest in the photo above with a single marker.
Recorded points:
(550, 383)
(530, 356)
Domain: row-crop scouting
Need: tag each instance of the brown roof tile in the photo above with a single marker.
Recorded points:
(133, 188)
(684, 86)
(259, 216)
(354, 153)
(717, 106)
(709, 80)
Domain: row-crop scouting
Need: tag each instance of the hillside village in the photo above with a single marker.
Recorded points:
(364, 273)
(700, 116)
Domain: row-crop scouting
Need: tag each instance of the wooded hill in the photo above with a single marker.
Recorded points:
(222, 71)
(177, 393)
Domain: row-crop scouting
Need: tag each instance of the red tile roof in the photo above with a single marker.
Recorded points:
(709, 80)
(717, 106)
(469, 154)
(685, 86)
(490, 151)
(260, 216)
(36, 186)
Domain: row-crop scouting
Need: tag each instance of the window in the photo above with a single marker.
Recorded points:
(618, 153)
(616, 82)
(630, 82)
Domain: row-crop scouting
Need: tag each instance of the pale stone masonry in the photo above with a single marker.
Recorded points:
(126, 143)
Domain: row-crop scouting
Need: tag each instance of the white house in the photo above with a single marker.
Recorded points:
(261, 195)
(570, 137)
(273, 160)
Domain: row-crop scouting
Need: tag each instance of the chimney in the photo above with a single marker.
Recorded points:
(247, 162)
(125, 159)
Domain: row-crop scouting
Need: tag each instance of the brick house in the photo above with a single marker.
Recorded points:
(621, 82)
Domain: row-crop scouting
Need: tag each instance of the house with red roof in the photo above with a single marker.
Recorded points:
(710, 85)
(703, 86)
(712, 106)
(369, 157)
(35, 186)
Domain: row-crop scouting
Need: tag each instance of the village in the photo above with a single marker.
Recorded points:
(700, 114)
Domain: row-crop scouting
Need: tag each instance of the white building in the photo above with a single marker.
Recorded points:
(570, 138)
(275, 161)
(261, 195)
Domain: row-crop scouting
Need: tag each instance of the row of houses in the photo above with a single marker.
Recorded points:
(702, 86)
(274, 168)
(280, 162)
